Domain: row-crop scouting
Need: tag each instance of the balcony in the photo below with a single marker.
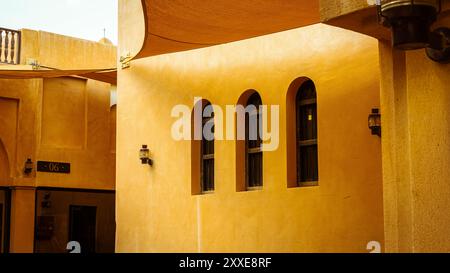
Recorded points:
(9, 46)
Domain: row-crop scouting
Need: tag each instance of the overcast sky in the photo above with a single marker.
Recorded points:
(78, 18)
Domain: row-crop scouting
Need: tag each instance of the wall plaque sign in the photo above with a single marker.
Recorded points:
(53, 167)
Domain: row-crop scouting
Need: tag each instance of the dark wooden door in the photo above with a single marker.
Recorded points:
(5, 216)
(1, 228)
(82, 223)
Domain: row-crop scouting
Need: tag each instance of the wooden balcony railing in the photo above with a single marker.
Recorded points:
(9, 46)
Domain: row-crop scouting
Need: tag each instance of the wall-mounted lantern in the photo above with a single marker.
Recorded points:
(144, 155)
(375, 122)
(46, 203)
(28, 166)
(125, 60)
(410, 22)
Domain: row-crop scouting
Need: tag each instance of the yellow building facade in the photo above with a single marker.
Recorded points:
(156, 210)
(391, 192)
(67, 119)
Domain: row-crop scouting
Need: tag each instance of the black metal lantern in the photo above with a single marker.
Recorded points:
(144, 155)
(46, 203)
(28, 166)
(410, 22)
(375, 122)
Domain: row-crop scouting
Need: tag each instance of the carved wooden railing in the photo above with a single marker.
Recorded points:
(9, 46)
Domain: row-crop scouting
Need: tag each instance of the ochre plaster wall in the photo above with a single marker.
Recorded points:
(66, 119)
(156, 211)
(22, 220)
(60, 120)
(415, 105)
(63, 52)
(75, 127)
(17, 126)
(334, 8)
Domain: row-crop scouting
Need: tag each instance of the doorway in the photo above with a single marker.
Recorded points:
(1, 227)
(5, 214)
(83, 223)
(67, 215)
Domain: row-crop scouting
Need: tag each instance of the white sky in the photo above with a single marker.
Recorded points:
(77, 18)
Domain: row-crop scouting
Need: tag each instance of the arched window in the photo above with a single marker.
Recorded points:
(207, 150)
(253, 142)
(306, 135)
(202, 148)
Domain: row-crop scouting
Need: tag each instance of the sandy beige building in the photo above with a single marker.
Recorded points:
(50, 121)
(162, 208)
(329, 185)
(391, 190)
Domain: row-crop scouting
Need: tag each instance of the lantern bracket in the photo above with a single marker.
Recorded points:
(410, 23)
(439, 49)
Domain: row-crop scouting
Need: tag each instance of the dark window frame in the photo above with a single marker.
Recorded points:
(207, 182)
(307, 135)
(253, 148)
